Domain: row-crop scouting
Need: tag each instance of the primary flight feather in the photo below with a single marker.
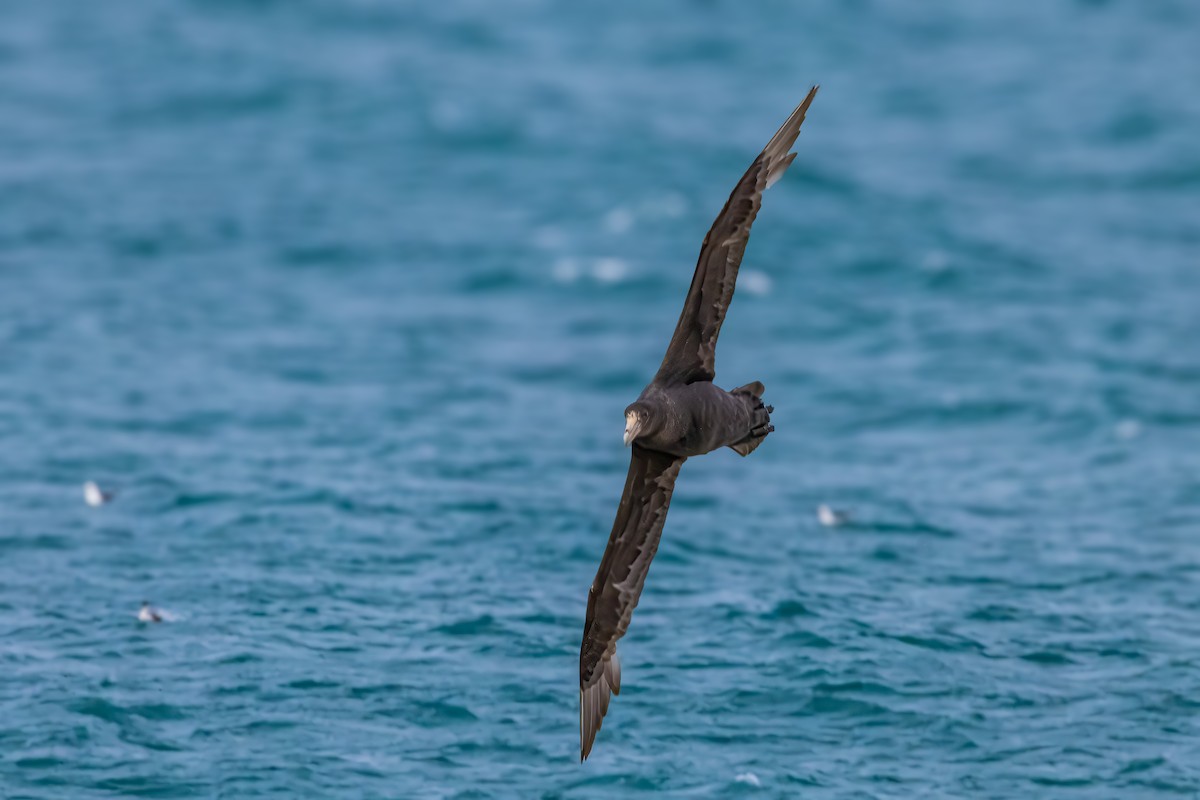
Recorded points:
(679, 415)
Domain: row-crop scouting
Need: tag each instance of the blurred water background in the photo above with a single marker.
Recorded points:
(345, 299)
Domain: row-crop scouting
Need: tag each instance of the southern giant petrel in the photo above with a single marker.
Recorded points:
(680, 414)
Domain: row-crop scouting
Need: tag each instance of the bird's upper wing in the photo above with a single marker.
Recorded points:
(618, 584)
(691, 355)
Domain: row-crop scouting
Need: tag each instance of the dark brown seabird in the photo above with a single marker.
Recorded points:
(680, 414)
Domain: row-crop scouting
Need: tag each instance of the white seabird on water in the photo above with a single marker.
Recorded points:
(94, 496)
(831, 517)
(149, 613)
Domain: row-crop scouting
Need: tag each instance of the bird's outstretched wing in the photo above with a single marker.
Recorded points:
(618, 584)
(691, 355)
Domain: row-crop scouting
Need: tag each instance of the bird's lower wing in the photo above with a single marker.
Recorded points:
(618, 584)
(691, 355)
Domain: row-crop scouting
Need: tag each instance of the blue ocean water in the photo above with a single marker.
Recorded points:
(345, 301)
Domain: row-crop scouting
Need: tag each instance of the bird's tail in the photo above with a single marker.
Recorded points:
(760, 418)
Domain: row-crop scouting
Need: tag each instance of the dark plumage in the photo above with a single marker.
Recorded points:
(679, 415)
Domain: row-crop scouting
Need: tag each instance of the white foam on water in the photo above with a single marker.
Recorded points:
(671, 205)
(609, 270)
(566, 270)
(619, 220)
(754, 282)
(748, 778)
(448, 115)
(549, 237)
(1128, 429)
(935, 261)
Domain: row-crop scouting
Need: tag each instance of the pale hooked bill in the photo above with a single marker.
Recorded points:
(94, 496)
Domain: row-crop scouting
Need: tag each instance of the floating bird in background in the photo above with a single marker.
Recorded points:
(680, 414)
(149, 613)
(831, 517)
(94, 496)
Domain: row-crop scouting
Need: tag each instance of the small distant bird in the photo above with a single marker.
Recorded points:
(682, 413)
(149, 613)
(94, 496)
(831, 517)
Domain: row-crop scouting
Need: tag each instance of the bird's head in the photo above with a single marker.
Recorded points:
(639, 420)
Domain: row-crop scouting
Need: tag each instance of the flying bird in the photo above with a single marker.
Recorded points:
(679, 415)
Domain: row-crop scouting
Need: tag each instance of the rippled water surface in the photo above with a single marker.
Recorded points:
(345, 300)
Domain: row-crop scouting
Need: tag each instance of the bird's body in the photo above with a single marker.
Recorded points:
(831, 517)
(697, 418)
(680, 414)
(148, 613)
(94, 496)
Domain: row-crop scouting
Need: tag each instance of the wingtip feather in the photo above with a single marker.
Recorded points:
(594, 700)
(785, 137)
(775, 155)
(776, 170)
